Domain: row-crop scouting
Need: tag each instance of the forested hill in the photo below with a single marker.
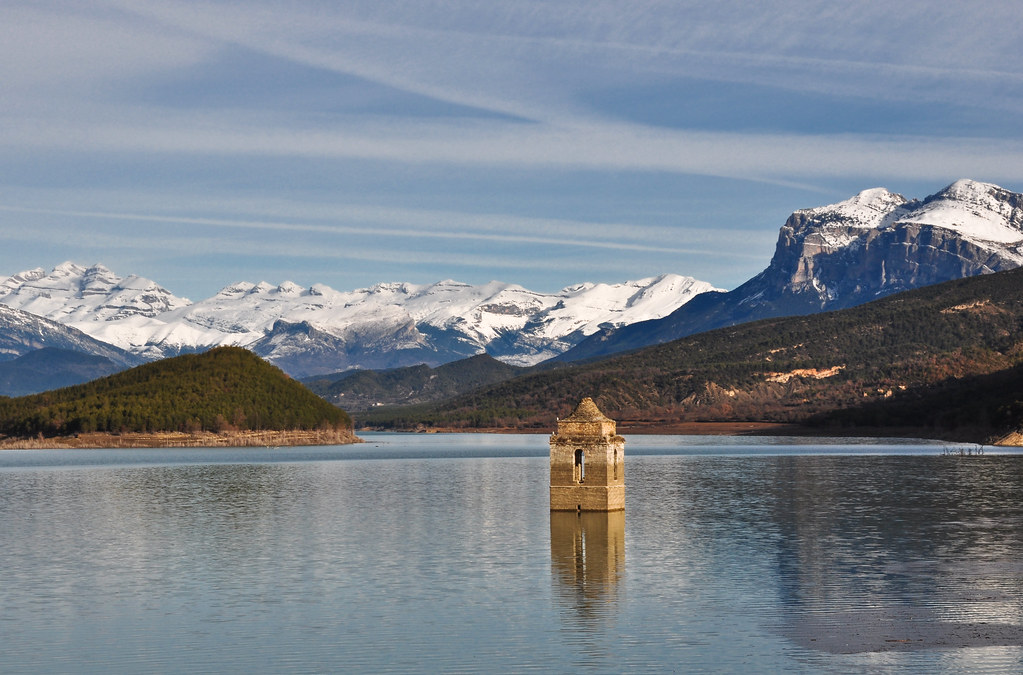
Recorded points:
(782, 370)
(224, 389)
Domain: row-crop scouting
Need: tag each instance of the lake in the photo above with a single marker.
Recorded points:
(438, 553)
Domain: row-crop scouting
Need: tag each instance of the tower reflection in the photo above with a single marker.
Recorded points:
(587, 560)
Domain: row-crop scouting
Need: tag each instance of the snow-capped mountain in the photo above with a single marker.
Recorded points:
(879, 242)
(316, 330)
(72, 293)
(22, 332)
(38, 354)
(831, 257)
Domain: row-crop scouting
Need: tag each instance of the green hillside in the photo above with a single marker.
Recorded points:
(224, 389)
(781, 370)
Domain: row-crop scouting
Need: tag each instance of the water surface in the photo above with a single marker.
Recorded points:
(435, 553)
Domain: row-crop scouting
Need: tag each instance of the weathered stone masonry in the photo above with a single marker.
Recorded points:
(587, 462)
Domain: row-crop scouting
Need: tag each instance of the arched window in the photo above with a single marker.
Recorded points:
(579, 472)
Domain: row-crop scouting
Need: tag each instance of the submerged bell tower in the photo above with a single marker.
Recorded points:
(587, 462)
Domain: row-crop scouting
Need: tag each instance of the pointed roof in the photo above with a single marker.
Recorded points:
(587, 411)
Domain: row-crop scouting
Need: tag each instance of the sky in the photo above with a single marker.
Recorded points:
(538, 142)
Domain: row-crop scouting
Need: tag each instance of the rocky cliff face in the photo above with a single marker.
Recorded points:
(841, 255)
(879, 243)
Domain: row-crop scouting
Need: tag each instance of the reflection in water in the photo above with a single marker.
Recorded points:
(896, 554)
(441, 564)
(587, 561)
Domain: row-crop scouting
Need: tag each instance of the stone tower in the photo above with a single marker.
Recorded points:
(587, 462)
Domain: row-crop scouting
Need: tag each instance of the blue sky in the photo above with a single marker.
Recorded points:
(542, 143)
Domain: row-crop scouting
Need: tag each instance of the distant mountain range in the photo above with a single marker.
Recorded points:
(309, 331)
(829, 257)
(832, 257)
(50, 368)
(942, 361)
(22, 333)
(37, 354)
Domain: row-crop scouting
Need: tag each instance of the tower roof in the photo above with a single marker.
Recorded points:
(587, 411)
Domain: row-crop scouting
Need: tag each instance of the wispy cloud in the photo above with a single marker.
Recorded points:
(424, 225)
(74, 49)
(608, 146)
(478, 53)
(532, 65)
(123, 96)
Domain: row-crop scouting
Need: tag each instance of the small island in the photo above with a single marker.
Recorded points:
(227, 396)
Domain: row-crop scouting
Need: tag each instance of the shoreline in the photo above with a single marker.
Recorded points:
(180, 439)
(208, 439)
(637, 428)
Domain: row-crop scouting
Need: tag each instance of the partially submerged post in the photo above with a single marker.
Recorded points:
(587, 462)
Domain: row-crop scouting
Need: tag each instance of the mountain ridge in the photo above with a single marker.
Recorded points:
(22, 332)
(321, 330)
(51, 368)
(827, 257)
(783, 370)
(831, 257)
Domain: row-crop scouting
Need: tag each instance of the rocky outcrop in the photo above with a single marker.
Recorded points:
(879, 243)
(1011, 440)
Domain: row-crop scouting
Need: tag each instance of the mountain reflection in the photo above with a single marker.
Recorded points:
(587, 561)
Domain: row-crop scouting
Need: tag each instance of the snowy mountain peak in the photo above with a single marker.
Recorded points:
(98, 280)
(290, 288)
(980, 212)
(72, 293)
(322, 330)
(869, 209)
(389, 287)
(13, 282)
(67, 269)
(237, 288)
(878, 242)
(261, 287)
(966, 189)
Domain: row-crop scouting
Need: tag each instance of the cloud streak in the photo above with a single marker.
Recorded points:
(751, 156)
(473, 130)
(423, 225)
(531, 66)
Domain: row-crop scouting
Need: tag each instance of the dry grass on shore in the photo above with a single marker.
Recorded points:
(175, 439)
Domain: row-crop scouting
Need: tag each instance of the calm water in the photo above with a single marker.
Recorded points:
(439, 553)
